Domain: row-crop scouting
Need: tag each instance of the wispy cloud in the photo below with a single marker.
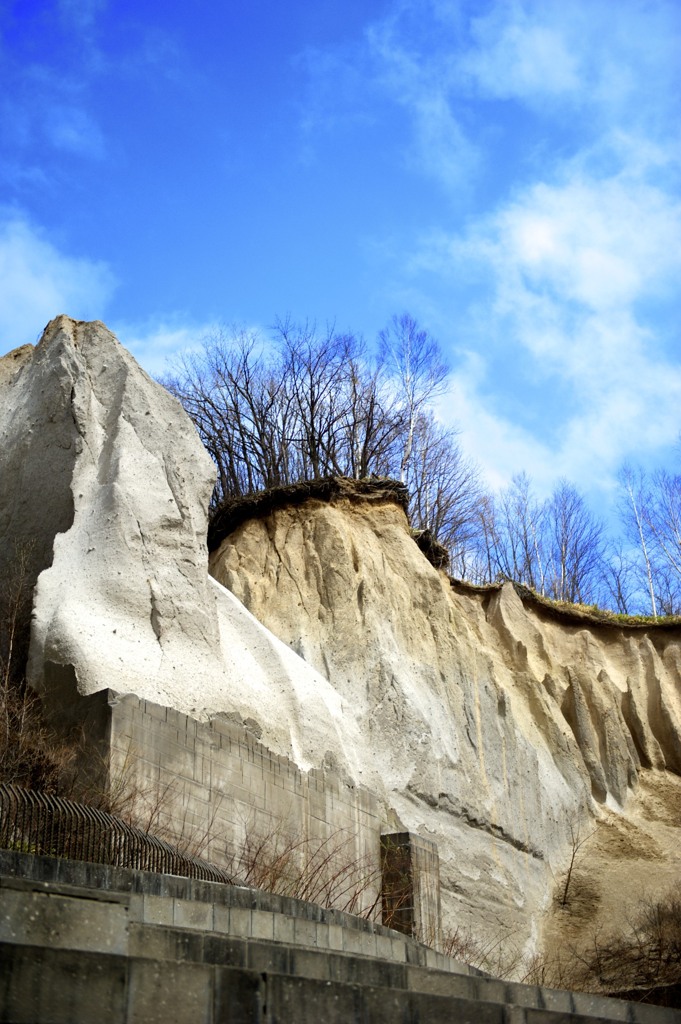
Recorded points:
(619, 60)
(581, 278)
(73, 130)
(572, 275)
(80, 15)
(38, 281)
(422, 76)
(52, 81)
(45, 111)
(158, 341)
(515, 56)
(499, 445)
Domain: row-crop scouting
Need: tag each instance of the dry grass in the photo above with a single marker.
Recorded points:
(271, 855)
(498, 956)
(645, 956)
(642, 962)
(324, 871)
(31, 753)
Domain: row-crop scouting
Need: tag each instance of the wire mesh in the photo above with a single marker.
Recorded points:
(38, 823)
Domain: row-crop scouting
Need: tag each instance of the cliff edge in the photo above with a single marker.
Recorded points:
(488, 723)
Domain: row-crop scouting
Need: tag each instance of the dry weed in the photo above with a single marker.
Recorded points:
(498, 955)
(32, 755)
(324, 871)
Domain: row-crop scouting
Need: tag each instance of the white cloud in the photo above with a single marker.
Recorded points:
(576, 273)
(157, 341)
(515, 57)
(500, 446)
(598, 77)
(582, 247)
(620, 60)
(73, 130)
(38, 282)
(443, 149)
(580, 259)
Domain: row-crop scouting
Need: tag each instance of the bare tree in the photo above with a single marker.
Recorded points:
(445, 488)
(311, 404)
(239, 404)
(577, 841)
(415, 362)
(481, 565)
(663, 518)
(576, 545)
(556, 547)
(313, 368)
(619, 578)
(650, 511)
(372, 419)
(514, 533)
(633, 513)
(304, 406)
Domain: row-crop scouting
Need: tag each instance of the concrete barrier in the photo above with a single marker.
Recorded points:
(83, 942)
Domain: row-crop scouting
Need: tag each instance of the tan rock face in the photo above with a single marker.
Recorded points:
(484, 724)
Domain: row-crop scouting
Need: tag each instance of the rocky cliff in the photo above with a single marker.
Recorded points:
(491, 723)
(479, 718)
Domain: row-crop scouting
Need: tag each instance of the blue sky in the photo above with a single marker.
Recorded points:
(506, 171)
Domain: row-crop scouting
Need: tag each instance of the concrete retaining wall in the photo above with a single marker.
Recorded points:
(125, 896)
(214, 788)
(81, 943)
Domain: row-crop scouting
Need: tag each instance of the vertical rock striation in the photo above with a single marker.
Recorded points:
(488, 725)
(479, 719)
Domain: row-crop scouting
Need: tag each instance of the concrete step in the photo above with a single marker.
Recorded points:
(57, 924)
(185, 945)
(269, 957)
(59, 986)
(170, 900)
(197, 931)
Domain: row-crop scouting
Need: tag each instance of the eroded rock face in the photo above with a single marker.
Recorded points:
(480, 722)
(106, 485)
(486, 725)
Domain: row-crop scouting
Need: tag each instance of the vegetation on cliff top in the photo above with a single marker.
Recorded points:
(306, 406)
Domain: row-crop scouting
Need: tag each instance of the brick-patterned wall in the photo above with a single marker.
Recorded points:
(222, 791)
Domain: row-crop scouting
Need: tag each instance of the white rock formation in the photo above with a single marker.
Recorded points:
(487, 725)
(105, 483)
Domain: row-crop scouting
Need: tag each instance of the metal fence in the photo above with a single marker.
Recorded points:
(34, 822)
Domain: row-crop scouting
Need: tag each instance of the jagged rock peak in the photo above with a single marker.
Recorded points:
(106, 486)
